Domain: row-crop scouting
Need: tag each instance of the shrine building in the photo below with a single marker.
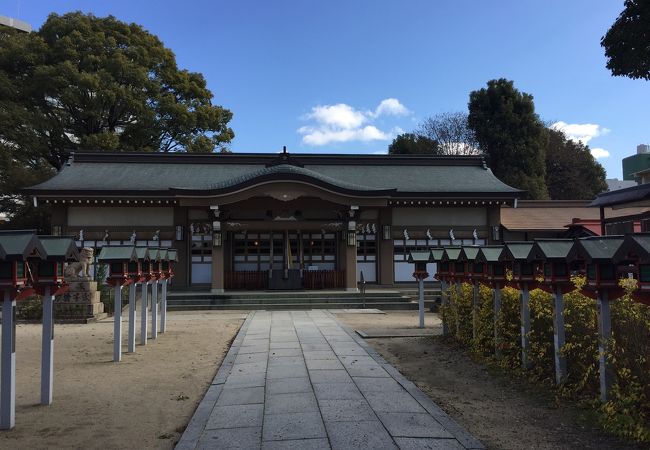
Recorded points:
(278, 221)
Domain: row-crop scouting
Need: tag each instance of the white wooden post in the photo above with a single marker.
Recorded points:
(8, 369)
(604, 335)
(154, 309)
(163, 307)
(47, 349)
(558, 337)
(475, 293)
(117, 325)
(497, 313)
(525, 326)
(443, 300)
(143, 315)
(421, 300)
(459, 290)
(131, 339)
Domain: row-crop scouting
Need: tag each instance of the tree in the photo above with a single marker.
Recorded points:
(84, 82)
(98, 84)
(511, 135)
(451, 132)
(413, 144)
(572, 173)
(627, 42)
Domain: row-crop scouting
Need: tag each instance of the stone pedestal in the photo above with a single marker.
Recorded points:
(80, 304)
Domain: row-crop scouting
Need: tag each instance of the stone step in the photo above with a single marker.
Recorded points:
(263, 301)
(291, 306)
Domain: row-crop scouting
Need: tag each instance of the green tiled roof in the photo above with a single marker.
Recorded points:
(142, 253)
(490, 253)
(600, 248)
(20, 244)
(552, 248)
(638, 245)
(518, 250)
(469, 253)
(96, 172)
(154, 253)
(163, 254)
(58, 247)
(117, 253)
(419, 256)
(437, 253)
(451, 253)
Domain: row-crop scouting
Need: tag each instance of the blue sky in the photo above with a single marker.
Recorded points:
(345, 76)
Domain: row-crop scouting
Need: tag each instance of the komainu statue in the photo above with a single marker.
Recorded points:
(80, 270)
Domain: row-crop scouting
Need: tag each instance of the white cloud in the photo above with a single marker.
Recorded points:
(598, 152)
(343, 123)
(391, 107)
(340, 116)
(323, 136)
(581, 132)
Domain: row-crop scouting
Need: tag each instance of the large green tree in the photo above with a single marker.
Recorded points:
(572, 173)
(627, 42)
(511, 135)
(413, 144)
(88, 83)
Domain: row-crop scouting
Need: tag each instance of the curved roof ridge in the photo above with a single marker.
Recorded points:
(283, 169)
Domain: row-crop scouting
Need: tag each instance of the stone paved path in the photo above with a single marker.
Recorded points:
(301, 380)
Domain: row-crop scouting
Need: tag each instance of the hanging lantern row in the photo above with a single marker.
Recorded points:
(137, 264)
(549, 264)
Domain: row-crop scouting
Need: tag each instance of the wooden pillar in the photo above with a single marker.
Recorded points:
(497, 314)
(421, 301)
(143, 313)
(443, 300)
(385, 256)
(218, 274)
(603, 230)
(604, 336)
(8, 364)
(558, 336)
(154, 309)
(459, 291)
(350, 267)
(47, 349)
(132, 318)
(475, 294)
(525, 326)
(117, 324)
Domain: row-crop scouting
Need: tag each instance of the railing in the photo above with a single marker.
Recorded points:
(323, 279)
(249, 280)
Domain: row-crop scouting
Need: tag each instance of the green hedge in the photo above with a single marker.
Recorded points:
(627, 413)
